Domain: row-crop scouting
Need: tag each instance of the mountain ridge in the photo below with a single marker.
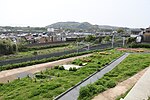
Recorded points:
(82, 26)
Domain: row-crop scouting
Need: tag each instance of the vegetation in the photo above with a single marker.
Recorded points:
(107, 38)
(135, 45)
(130, 66)
(73, 69)
(7, 47)
(90, 38)
(23, 64)
(131, 40)
(25, 48)
(52, 82)
(30, 52)
(93, 39)
(120, 30)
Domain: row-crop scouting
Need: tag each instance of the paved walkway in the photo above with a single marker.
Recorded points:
(30, 70)
(74, 93)
(141, 90)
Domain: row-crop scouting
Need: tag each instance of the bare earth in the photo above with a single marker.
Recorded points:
(121, 88)
(13, 73)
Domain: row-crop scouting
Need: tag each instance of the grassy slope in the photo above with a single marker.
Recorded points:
(40, 52)
(130, 66)
(46, 88)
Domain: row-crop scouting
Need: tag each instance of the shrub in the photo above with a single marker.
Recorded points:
(80, 64)
(73, 69)
(110, 84)
(100, 88)
(40, 76)
(61, 68)
(84, 92)
(56, 67)
(89, 90)
(135, 45)
(70, 69)
(1, 84)
(99, 62)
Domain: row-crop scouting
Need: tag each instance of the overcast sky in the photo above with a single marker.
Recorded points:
(129, 13)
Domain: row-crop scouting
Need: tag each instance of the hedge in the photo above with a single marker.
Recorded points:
(134, 45)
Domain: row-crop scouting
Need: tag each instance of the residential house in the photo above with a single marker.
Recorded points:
(146, 35)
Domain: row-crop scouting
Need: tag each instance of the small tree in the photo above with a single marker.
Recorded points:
(100, 39)
(107, 38)
(120, 30)
(131, 40)
(89, 38)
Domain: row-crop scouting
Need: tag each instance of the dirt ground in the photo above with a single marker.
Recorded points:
(9, 75)
(121, 88)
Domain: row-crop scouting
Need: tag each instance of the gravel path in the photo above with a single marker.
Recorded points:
(30, 70)
(121, 88)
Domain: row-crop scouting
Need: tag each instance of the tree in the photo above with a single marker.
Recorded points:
(89, 38)
(100, 39)
(107, 38)
(7, 47)
(120, 30)
(131, 40)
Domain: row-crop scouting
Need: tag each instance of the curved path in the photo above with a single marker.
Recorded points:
(9, 75)
(74, 93)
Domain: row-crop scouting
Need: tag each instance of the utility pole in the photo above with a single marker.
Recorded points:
(77, 47)
(88, 46)
(113, 41)
(123, 41)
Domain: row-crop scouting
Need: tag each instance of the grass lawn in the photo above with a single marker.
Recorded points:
(53, 82)
(130, 66)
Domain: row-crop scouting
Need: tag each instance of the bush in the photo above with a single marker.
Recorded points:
(80, 64)
(7, 47)
(110, 84)
(61, 68)
(131, 40)
(56, 67)
(73, 69)
(135, 45)
(87, 92)
(70, 69)
(99, 62)
(40, 76)
(84, 92)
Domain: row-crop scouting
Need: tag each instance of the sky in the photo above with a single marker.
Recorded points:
(40, 13)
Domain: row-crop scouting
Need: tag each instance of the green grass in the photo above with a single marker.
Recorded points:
(39, 52)
(55, 81)
(130, 66)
